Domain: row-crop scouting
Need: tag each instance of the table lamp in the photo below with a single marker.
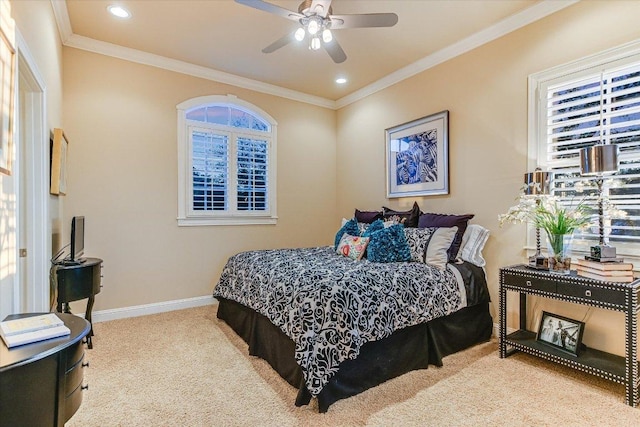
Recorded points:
(600, 160)
(537, 184)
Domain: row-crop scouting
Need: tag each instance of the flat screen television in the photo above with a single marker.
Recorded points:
(77, 239)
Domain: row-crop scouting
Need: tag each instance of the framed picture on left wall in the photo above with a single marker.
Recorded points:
(59, 149)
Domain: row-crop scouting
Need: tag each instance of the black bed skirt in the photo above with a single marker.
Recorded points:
(405, 350)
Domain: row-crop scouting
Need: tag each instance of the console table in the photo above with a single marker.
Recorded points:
(41, 383)
(622, 297)
(77, 282)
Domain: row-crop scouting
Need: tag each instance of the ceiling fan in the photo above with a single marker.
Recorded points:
(316, 22)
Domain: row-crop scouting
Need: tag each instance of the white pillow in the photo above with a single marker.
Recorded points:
(473, 241)
(440, 242)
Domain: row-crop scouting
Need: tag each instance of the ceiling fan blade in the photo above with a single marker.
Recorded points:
(321, 7)
(339, 22)
(335, 51)
(272, 8)
(281, 42)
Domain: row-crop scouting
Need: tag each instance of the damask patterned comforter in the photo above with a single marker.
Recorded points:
(330, 305)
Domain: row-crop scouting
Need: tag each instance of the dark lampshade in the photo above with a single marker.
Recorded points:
(599, 159)
(537, 183)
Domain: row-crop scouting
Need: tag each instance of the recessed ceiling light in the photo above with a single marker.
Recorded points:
(119, 11)
(341, 80)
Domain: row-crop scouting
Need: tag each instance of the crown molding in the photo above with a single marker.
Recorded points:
(145, 58)
(507, 25)
(62, 19)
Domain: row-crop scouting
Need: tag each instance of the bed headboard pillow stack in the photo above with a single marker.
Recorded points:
(425, 234)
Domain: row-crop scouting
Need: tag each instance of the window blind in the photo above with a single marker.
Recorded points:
(252, 174)
(210, 169)
(603, 107)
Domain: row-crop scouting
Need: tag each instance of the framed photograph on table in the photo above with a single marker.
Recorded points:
(418, 157)
(560, 332)
(59, 148)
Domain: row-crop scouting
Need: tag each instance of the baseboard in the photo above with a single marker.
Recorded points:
(159, 307)
(496, 330)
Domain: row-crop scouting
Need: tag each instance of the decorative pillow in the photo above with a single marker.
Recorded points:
(418, 240)
(436, 253)
(352, 246)
(407, 218)
(442, 220)
(473, 242)
(368, 217)
(349, 227)
(376, 225)
(389, 245)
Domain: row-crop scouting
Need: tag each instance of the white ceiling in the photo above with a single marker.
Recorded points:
(221, 39)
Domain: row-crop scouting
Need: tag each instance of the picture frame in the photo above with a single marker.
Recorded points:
(7, 95)
(560, 332)
(417, 157)
(59, 149)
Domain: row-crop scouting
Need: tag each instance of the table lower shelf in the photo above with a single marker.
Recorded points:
(595, 362)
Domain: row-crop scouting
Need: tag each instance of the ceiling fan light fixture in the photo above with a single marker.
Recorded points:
(313, 27)
(299, 34)
(315, 43)
(327, 37)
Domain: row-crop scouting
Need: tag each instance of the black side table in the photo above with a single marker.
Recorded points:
(77, 282)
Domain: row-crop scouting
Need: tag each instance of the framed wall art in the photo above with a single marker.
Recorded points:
(560, 332)
(7, 82)
(59, 148)
(418, 157)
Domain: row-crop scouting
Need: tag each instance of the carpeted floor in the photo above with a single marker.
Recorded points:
(187, 368)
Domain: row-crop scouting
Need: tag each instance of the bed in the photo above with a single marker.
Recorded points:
(333, 327)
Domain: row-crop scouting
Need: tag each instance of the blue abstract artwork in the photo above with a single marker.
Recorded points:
(417, 160)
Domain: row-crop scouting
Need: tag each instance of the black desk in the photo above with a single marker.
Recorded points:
(77, 282)
(41, 383)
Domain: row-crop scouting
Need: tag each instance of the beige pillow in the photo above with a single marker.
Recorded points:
(438, 245)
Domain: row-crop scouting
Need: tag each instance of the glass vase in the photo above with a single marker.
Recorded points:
(559, 246)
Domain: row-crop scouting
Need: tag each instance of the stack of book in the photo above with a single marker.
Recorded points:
(32, 329)
(609, 271)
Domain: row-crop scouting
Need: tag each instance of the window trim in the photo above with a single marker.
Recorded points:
(537, 117)
(185, 215)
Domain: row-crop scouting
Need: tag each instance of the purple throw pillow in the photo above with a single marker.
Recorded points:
(443, 220)
(367, 217)
(407, 218)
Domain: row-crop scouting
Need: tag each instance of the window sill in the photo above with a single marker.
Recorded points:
(191, 222)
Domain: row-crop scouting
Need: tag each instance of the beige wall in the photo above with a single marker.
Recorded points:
(485, 92)
(120, 119)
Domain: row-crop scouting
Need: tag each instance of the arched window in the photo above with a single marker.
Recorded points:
(226, 162)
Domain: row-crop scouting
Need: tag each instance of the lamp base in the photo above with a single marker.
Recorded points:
(602, 253)
(539, 262)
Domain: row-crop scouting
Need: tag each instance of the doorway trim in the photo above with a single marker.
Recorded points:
(35, 138)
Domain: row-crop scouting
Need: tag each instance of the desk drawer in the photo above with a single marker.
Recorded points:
(593, 294)
(528, 283)
(74, 377)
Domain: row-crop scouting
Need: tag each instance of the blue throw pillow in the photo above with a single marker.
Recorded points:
(375, 226)
(389, 245)
(350, 227)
